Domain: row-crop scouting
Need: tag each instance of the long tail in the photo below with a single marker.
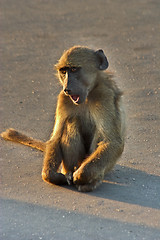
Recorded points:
(13, 135)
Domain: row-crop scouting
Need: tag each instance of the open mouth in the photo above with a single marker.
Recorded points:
(75, 98)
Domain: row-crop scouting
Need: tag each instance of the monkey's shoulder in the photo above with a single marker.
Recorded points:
(105, 93)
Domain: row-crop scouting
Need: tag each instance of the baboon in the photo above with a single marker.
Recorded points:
(89, 129)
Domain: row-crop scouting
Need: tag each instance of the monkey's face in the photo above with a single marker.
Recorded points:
(77, 71)
(76, 83)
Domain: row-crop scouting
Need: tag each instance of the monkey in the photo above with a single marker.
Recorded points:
(89, 130)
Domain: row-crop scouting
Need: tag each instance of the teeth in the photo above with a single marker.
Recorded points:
(75, 98)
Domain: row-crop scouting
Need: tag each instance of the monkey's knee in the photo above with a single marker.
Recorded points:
(54, 177)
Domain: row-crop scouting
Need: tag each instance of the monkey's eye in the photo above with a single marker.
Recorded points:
(74, 69)
(63, 70)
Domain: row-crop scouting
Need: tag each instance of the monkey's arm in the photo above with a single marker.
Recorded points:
(91, 173)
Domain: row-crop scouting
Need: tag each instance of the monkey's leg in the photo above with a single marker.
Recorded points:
(52, 161)
(13, 135)
(72, 146)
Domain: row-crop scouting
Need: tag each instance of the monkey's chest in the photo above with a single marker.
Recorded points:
(87, 131)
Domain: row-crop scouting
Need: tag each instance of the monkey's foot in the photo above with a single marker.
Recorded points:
(88, 187)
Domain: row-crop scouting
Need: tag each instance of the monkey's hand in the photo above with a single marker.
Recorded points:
(79, 176)
(69, 178)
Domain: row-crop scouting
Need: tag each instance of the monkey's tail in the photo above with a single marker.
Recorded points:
(13, 135)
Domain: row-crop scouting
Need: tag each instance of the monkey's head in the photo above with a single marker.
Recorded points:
(77, 71)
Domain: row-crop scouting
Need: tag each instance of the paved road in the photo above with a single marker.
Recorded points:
(34, 34)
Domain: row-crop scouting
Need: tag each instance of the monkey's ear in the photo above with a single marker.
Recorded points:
(101, 59)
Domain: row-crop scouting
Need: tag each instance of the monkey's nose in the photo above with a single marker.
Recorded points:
(67, 91)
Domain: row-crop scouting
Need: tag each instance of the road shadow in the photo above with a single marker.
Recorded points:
(132, 186)
(129, 185)
(22, 220)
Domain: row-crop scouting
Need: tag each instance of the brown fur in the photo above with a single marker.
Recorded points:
(88, 136)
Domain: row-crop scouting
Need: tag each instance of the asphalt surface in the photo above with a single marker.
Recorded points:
(34, 34)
